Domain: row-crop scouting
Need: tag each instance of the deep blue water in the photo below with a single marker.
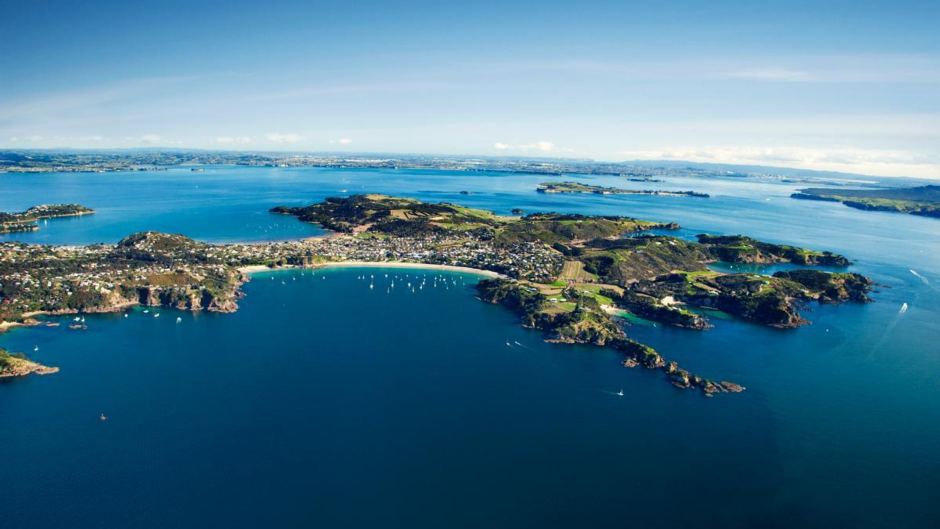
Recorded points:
(324, 403)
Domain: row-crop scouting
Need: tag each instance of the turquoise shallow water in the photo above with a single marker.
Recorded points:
(324, 403)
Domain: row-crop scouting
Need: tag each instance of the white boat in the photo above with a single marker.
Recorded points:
(179, 320)
(620, 393)
(904, 308)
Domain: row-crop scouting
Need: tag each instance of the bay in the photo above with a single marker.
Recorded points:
(323, 402)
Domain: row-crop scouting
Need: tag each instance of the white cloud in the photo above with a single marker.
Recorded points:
(341, 141)
(539, 146)
(150, 139)
(26, 139)
(233, 140)
(881, 162)
(771, 74)
(279, 137)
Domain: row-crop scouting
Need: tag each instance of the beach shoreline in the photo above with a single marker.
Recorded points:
(375, 264)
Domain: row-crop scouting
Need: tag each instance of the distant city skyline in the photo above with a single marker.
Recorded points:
(846, 86)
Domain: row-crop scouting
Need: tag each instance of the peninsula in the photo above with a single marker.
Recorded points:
(570, 276)
(923, 200)
(17, 365)
(26, 220)
(577, 187)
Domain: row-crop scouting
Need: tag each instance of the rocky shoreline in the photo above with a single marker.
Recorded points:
(590, 324)
(17, 365)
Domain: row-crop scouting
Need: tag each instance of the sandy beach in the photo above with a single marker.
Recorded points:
(377, 264)
(260, 268)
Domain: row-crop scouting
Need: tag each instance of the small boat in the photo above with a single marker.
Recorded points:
(35, 348)
(125, 315)
(77, 319)
(179, 320)
(904, 308)
(620, 393)
(103, 417)
(146, 311)
(157, 315)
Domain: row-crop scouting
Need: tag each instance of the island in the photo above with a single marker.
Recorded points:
(923, 200)
(27, 220)
(577, 187)
(17, 365)
(576, 278)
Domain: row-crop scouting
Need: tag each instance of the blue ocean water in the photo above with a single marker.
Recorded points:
(324, 403)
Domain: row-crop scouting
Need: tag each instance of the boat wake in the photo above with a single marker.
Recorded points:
(918, 276)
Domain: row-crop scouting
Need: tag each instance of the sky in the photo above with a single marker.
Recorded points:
(849, 86)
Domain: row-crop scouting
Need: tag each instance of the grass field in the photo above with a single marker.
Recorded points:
(574, 271)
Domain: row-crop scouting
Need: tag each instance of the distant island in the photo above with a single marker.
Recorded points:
(577, 187)
(923, 200)
(571, 276)
(26, 220)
